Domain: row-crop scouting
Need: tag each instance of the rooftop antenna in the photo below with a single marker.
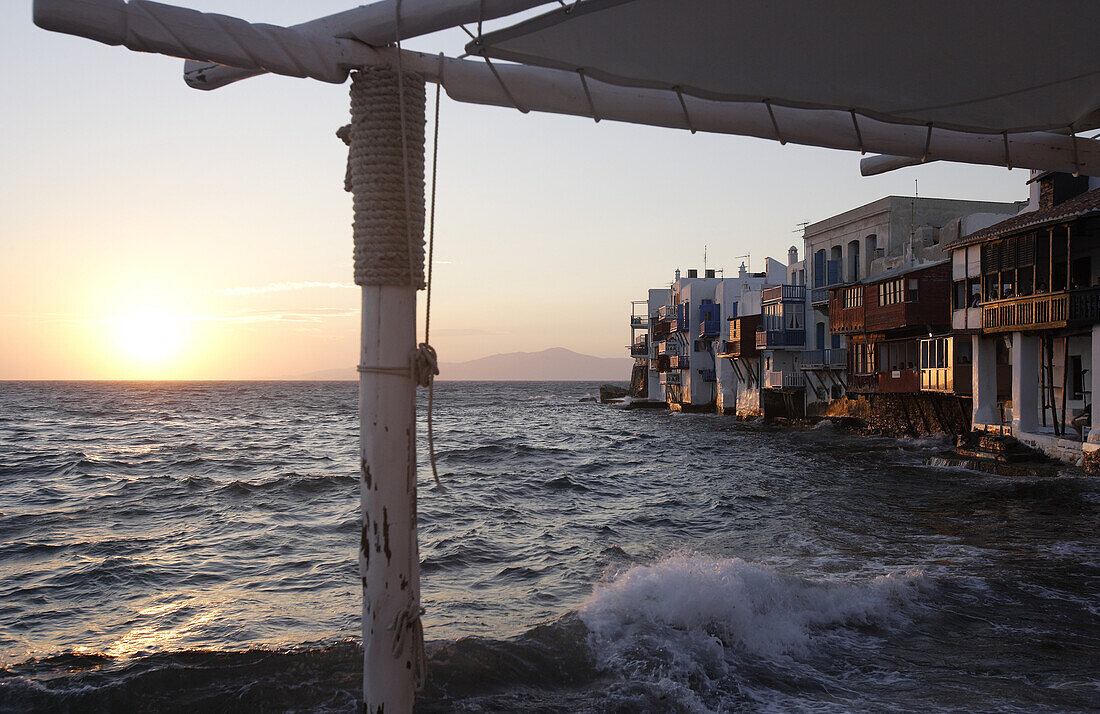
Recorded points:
(704, 260)
(748, 261)
(801, 227)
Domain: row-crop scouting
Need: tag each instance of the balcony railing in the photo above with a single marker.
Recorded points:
(669, 347)
(825, 359)
(678, 362)
(709, 328)
(819, 296)
(666, 312)
(639, 321)
(886, 381)
(1032, 312)
(708, 375)
(937, 379)
(670, 377)
(783, 292)
(639, 349)
(784, 380)
(772, 339)
(1084, 306)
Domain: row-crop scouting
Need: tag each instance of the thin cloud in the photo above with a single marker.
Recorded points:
(292, 315)
(280, 288)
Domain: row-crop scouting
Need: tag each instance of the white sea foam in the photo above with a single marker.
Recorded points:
(740, 605)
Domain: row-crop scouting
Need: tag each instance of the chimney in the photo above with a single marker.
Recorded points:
(693, 273)
(742, 271)
(677, 273)
(709, 273)
(792, 255)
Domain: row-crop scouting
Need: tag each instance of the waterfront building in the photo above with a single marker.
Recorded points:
(738, 364)
(781, 340)
(850, 255)
(680, 338)
(1026, 314)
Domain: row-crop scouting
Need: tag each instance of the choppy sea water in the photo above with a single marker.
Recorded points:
(191, 547)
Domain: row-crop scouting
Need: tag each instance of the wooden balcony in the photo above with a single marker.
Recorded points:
(1034, 312)
(825, 359)
(784, 380)
(783, 292)
(742, 336)
(886, 382)
(845, 320)
(1048, 311)
(780, 339)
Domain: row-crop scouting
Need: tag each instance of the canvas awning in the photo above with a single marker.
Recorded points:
(988, 67)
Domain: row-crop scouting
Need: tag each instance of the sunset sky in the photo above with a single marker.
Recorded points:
(148, 230)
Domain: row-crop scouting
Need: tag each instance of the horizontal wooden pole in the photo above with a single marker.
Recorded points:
(374, 24)
(152, 27)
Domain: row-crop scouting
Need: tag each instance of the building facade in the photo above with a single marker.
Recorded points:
(1026, 316)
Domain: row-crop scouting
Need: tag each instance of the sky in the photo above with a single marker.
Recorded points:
(152, 231)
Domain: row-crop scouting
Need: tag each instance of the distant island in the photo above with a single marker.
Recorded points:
(554, 364)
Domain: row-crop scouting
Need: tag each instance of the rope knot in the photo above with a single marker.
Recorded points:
(425, 365)
(407, 620)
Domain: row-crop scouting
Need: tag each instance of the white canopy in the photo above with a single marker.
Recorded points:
(989, 67)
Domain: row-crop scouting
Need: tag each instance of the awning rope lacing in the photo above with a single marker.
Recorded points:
(927, 143)
(775, 124)
(1076, 163)
(1008, 159)
(683, 105)
(859, 135)
(522, 109)
(588, 94)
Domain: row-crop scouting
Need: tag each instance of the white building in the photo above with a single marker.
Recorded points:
(685, 328)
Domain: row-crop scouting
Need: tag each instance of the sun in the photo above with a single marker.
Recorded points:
(148, 338)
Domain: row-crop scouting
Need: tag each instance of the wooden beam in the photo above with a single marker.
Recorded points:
(151, 27)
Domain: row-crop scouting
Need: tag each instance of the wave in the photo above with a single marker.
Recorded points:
(707, 632)
(638, 644)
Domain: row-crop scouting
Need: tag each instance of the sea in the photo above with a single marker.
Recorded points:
(191, 547)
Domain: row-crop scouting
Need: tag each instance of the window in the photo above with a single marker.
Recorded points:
(1076, 378)
(793, 315)
(863, 358)
(959, 296)
(853, 297)
(892, 291)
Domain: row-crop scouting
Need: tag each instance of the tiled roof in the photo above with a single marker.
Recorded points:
(1086, 204)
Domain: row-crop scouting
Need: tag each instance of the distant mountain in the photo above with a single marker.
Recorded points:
(554, 364)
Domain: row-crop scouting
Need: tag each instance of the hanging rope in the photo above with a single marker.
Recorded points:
(775, 124)
(588, 95)
(427, 362)
(859, 135)
(1076, 163)
(684, 106)
(408, 620)
(927, 143)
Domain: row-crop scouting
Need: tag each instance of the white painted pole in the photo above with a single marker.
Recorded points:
(388, 549)
(386, 178)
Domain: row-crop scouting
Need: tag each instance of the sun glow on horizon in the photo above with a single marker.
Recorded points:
(148, 339)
